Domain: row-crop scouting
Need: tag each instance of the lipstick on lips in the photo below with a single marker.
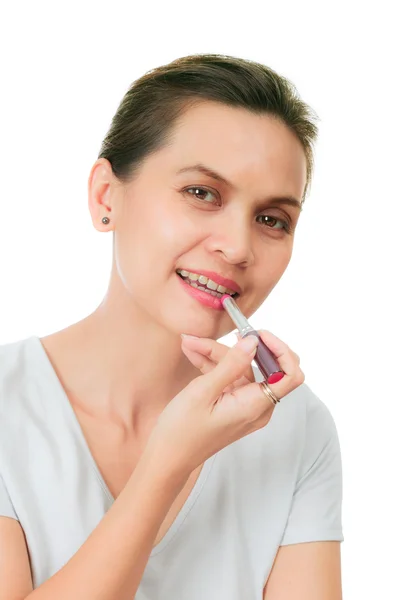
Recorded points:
(264, 358)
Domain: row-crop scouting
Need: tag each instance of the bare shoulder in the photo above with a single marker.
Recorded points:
(15, 572)
(309, 571)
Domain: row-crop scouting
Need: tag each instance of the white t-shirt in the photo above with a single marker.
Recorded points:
(279, 485)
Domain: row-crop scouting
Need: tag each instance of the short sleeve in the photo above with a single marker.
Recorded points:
(6, 507)
(316, 511)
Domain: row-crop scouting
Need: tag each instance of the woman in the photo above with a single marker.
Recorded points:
(126, 461)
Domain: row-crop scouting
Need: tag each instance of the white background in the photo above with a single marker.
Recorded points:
(64, 70)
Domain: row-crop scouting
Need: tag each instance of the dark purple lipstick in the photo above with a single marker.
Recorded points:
(264, 358)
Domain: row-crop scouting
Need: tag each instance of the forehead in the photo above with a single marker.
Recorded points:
(242, 145)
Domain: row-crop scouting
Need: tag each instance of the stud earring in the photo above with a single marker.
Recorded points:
(105, 220)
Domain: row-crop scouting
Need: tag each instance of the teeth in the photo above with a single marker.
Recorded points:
(211, 292)
(211, 286)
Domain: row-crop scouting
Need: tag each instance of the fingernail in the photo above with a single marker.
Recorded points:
(249, 343)
(186, 335)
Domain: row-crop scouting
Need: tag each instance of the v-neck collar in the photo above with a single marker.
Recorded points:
(62, 398)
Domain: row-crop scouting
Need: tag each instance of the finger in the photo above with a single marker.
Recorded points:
(286, 358)
(197, 359)
(232, 366)
(275, 344)
(211, 349)
(289, 362)
(206, 353)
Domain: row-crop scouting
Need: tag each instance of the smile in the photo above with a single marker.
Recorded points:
(205, 284)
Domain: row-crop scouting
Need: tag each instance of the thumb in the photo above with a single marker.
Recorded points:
(232, 366)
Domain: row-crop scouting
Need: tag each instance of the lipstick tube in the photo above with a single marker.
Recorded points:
(264, 358)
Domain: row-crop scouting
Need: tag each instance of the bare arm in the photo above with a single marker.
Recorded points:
(111, 562)
(309, 571)
(15, 572)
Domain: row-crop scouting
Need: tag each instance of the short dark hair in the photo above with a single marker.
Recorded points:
(147, 113)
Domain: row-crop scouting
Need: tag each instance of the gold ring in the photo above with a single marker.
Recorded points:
(269, 393)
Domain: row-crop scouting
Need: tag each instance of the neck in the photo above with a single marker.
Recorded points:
(122, 369)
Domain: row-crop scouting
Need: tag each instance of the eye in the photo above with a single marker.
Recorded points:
(200, 191)
(286, 225)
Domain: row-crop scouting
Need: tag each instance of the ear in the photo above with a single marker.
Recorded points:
(100, 188)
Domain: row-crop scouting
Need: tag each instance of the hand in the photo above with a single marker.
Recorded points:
(223, 404)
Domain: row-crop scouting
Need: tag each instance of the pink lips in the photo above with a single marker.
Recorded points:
(202, 297)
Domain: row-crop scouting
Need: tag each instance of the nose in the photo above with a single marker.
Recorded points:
(233, 239)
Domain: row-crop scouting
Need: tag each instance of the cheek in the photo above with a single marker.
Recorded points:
(178, 236)
(280, 262)
(152, 236)
(157, 223)
(168, 230)
(273, 263)
(269, 271)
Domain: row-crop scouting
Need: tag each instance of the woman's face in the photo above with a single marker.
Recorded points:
(169, 218)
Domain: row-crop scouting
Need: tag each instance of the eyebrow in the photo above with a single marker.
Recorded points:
(289, 200)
